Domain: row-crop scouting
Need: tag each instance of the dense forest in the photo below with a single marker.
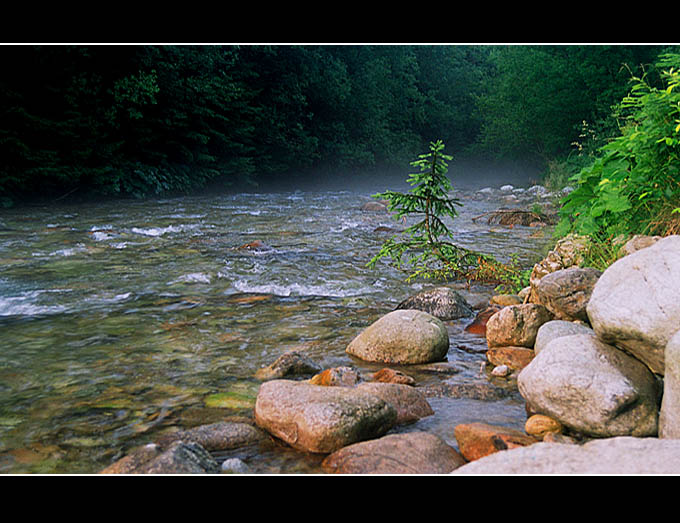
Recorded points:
(146, 120)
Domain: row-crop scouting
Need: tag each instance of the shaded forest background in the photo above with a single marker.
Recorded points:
(145, 120)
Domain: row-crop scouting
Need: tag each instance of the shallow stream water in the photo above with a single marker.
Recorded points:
(122, 320)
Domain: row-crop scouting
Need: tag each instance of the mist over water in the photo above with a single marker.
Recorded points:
(468, 175)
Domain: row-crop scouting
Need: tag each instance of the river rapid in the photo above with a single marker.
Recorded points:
(122, 320)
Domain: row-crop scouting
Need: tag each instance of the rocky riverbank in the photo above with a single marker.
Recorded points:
(596, 357)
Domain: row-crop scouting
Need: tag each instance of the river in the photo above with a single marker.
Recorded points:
(121, 320)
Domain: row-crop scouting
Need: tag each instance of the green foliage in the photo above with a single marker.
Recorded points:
(511, 277)
(424, 245)
(143, 120)
(601, 254)
(634, 184)
(536, 97)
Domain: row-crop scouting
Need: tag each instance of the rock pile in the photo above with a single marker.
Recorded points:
(604, 365)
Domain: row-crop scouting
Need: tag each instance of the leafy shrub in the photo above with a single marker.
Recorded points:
(633, 187)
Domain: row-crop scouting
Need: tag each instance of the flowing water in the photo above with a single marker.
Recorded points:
(119, 321)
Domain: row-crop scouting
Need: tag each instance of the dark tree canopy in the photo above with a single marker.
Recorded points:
(144, 120)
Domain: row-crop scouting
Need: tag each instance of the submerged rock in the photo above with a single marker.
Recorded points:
(336, 377)
(387, 375)
(178, 458)
(380, 206)
(442, 302)
(409, 453)
(216, 436)
(476, 440)
(516, 358)
(402, 336)
(291, 363)
(130, 463)
(320, 419)
(478, 325)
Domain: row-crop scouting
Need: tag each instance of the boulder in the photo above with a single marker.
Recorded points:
(404, 337)
(478, 325)
(639, 242)
(178, 458)
(408, 401)
(620, 455)
(556, 329)
(319, 419)
(505, 300)
(515, 358)
(216, 436)
(568, 251)
(388, 375)
(592, 388)
(291, 363)
(635, 305)
(516, 325)
(539, 425)
(566, 292)
(409, 453)
(336, 377)
(441, 302)
(669, 416)
(476, 440)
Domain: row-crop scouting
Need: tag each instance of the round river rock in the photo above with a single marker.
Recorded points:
(320, 419)
(403, 337)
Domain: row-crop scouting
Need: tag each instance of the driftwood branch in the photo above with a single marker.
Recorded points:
(511, 217)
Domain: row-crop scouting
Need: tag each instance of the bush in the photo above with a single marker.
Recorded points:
(633, 187)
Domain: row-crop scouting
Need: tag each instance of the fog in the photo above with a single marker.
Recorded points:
(464, 175)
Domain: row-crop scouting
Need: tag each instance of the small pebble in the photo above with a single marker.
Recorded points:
(235, 466)
(500, 370)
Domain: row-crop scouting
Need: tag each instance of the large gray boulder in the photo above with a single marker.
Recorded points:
(442, 302)
(669, 416)
(566, 292)
(592, 388)
(621, 455)
(556, 329)
(320, 419)
(635, 305)
(404, 337)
